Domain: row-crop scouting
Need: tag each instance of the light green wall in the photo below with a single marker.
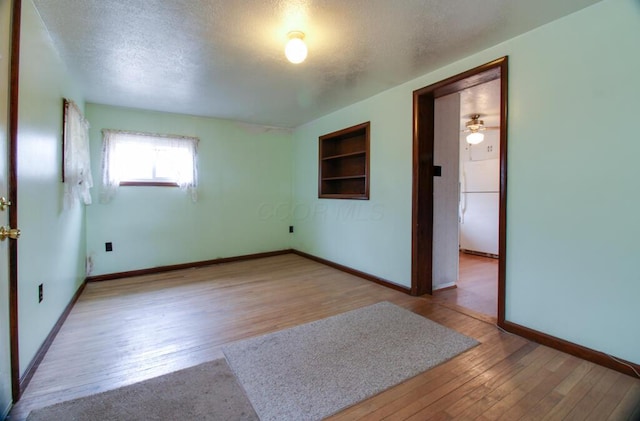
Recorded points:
(52, 247)
(573, 200)
(5, 356)
(244, 176)
(369, 235)
(573, 195)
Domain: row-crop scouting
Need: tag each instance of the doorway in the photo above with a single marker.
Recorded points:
(478, 140)
(425, 169)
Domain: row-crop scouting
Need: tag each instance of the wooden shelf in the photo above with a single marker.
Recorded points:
(344, 164)
(345, 155)
(342, 196)
(348, 177)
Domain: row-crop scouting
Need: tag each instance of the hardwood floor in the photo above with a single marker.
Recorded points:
(128, 330)
(477, 288)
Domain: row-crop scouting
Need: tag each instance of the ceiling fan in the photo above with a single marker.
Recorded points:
(475, 127)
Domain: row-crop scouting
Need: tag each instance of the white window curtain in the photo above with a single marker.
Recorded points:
(173, 158)
(77, 161)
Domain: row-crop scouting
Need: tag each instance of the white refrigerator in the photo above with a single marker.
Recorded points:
(479, 205)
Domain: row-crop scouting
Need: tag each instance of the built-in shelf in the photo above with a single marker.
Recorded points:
(347, 177)
(344, 155)
(344, 164)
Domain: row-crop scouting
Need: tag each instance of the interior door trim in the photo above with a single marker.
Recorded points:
(422, 200)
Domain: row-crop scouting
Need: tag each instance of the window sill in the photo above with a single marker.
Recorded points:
(149, 183)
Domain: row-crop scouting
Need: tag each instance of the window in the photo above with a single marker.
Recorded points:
(145, 159)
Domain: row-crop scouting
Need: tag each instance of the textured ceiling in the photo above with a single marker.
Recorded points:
(225, 58)
(481, 99)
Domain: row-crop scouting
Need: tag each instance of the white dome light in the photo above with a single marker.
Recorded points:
(475, 138)
(475, 125)
(296, 50)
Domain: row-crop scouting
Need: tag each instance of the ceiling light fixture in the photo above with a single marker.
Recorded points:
(475, 125)
(296, 50)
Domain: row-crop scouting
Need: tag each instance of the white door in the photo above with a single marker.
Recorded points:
(5, 360)
(446, 155)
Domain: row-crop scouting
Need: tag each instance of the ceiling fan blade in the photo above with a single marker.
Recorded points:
(484, 128)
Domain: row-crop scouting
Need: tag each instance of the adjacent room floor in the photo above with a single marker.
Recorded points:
(477, 286)
(128, 330)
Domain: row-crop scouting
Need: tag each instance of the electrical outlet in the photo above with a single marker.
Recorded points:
(290, 228)
(40, 293)
(108, 246)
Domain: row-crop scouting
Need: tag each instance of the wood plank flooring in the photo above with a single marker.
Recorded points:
(124, 331)
(477, 286)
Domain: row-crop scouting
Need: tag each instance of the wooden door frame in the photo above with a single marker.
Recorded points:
(12, 153)
(422, 203)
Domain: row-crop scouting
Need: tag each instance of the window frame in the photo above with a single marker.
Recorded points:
(142, 183)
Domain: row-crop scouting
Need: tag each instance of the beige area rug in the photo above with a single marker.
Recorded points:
(317, 369)
(207, 391)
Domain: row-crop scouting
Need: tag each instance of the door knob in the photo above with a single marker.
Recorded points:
(4, 203)
(8, 232)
